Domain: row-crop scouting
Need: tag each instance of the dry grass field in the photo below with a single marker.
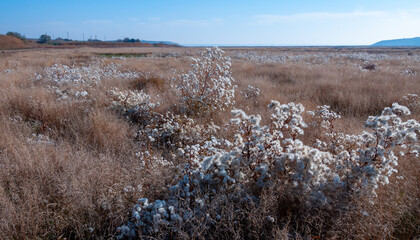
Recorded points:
(9, 42)
(86, 132)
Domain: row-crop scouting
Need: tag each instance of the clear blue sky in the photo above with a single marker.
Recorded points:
(216, 22)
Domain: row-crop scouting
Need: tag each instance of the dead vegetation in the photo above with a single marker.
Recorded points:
(10, 42)
(70, 168)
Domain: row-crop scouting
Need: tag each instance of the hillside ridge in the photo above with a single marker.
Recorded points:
(402, 42)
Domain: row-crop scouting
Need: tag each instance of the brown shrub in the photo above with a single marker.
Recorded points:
(370, 66)
(146, 82)
(107, 132)
(10, 42)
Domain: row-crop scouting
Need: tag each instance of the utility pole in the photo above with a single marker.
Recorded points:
(83, 37)
(68, 36)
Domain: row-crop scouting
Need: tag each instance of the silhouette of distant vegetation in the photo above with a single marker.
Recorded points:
(16, 35)
(126, 39)
(44, 38)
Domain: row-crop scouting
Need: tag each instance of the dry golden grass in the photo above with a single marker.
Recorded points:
(64, 165)
(9, 42)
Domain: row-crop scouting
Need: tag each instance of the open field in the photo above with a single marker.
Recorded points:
(87, 132)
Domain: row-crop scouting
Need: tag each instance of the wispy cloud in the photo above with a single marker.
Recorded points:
(273, 19)
(56, 23)
(194, 23)
(98, 22)
(355, 27)
(154, 19)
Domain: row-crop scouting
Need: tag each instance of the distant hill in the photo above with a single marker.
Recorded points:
(10, 42)
(404, 42)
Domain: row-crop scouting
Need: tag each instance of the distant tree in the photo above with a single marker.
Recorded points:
(44, 39)
(16, 35)
(93, 40)
(131, 40)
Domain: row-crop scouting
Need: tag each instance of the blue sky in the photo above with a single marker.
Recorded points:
(246, 22)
